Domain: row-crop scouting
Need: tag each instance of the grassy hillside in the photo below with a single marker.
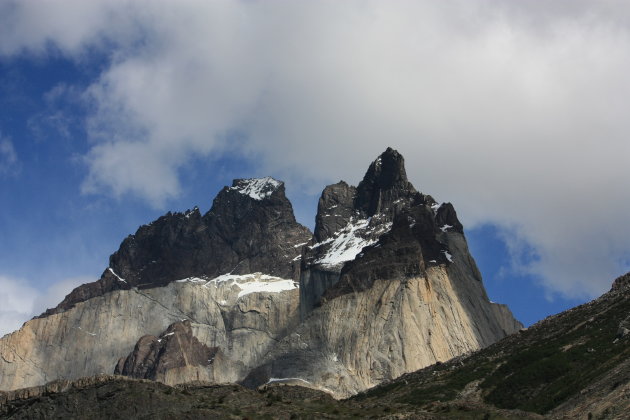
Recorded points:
(537, 369)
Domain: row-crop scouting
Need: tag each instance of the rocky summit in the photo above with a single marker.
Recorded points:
(385, 285)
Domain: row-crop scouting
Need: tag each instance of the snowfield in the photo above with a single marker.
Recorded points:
(247, 283)
(257, 188)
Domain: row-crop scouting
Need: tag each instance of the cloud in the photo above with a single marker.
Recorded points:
(8, 157)
(20, 301)
(514, 111)
(58, 119)
(16, 303)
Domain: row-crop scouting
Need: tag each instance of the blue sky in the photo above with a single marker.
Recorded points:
(113, 113)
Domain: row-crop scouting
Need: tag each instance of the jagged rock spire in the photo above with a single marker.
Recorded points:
(384, 182)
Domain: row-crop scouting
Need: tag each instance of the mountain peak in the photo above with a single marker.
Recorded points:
(387, 170)
(256, 188)
(384, 182)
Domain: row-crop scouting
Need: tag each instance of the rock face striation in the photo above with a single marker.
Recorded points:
(385, 285)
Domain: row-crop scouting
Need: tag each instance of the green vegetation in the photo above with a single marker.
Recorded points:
(546, 373)
(536, 370)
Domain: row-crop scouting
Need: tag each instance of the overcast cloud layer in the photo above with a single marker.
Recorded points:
(517, 112)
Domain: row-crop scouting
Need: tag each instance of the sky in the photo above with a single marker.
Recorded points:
(114, 112)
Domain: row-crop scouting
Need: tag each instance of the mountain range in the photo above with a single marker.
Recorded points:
(382, 303)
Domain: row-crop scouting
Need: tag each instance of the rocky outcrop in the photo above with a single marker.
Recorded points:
(174, 357)
(250, 228)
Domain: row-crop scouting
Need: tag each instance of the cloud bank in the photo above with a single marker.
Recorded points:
(20, 301)
(514, 111)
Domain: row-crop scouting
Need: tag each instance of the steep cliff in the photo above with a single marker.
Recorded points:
(409, 300)
(242, 316)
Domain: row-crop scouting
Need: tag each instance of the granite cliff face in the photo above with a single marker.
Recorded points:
(241, 315)
(385, 285)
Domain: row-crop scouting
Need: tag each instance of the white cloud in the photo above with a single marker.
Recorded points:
(8, 157)
(16, 303)
(20, 300)
(514, 111)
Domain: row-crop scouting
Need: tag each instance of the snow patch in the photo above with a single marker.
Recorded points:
(190, 212)
(349, 241)
(191, 280)
(257, 188)
(266, 286)
(116, 275)
(435, 207)
(254, 283)
(448, 256)
(166, 335)
(280, 380)
(318, 244)
(445, 227)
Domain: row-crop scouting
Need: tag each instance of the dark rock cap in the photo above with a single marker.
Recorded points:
(250, 228)
(384, 182)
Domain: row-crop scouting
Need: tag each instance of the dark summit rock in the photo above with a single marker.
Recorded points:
(384, 182)
(250, 228)
(350, 219)
(162, 251)
(446, 218)
(335, 208)
(404, 251)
